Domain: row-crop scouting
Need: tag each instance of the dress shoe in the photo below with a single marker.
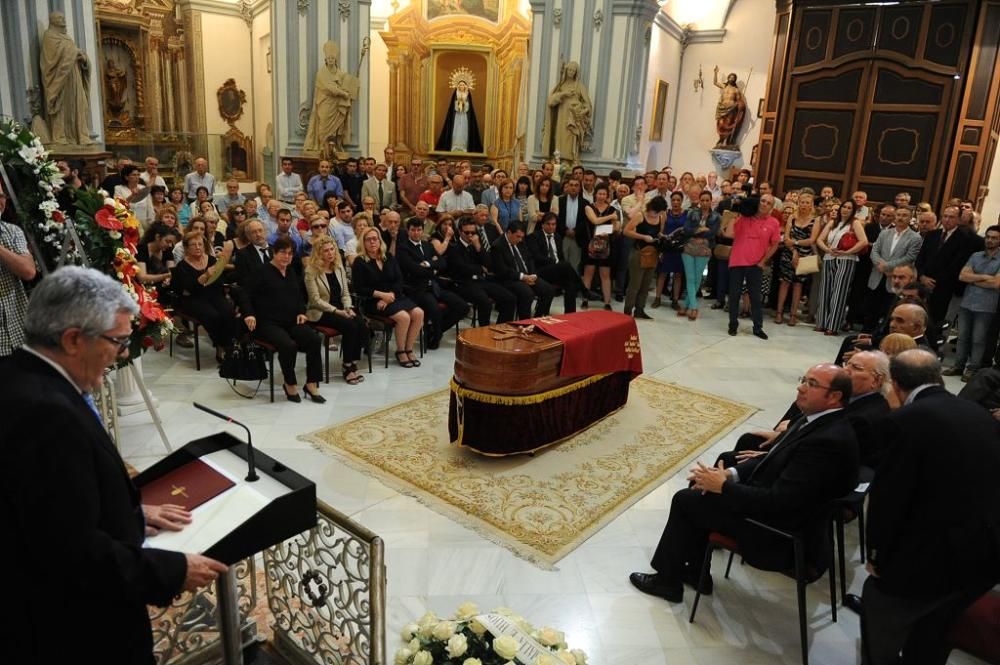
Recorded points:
(652, 584)
(760, 333)
(952, 371)
(732, 331)
(290, 397)
(692, 578)
(315, 397)
(717, 305)
(639, 314)
(853, 603)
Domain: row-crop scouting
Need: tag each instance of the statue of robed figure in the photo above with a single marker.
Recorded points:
(333, 95)
(65, 73)
(460, 132)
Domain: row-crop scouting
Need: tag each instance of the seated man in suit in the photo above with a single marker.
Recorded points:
(516, 271)
(254, 256)
(420, 265)
(906, 317)
(545, 248)
(902, 277)
(812, 463)
(933, 518)
(468, 268)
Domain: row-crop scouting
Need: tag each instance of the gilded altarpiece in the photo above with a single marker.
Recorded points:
(424, 55)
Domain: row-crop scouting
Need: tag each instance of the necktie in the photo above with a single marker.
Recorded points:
(784, 436)
(380, 195)
(518, 260)
(89, 399)
(552, 247)
(420, 248)
(483, 239)
(264, 258)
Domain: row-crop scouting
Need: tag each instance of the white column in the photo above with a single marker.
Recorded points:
(127, 391)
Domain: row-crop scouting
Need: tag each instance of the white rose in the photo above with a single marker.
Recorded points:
(566, 657)
(472, 661)
(403, 656)
(466, 611)
(477, 628)
(109, 202)
(414, 645)
(444, 630)
(423, 658)
(581, 657)
(545, 659)
(505, 646)
(409, 630)
(549, 637)
(458, 645)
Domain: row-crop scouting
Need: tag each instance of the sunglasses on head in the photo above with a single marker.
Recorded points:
(319, 226)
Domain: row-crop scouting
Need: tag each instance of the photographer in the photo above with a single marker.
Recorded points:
(644, 227)
(757, 235)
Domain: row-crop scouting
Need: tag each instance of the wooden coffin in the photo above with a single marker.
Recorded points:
(514, 365)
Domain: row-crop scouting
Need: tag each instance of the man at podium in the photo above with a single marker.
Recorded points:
(78, 576)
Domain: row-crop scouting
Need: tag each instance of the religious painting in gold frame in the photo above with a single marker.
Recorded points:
(486, 9)
(659, 110)
(445, 63)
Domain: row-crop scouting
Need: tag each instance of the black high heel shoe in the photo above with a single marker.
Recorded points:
(290, 397)
(316, 397)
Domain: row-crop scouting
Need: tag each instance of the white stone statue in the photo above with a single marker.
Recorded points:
(569, 116)
(333, 96)
(66, 85)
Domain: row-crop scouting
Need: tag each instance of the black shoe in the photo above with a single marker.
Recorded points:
(732, 331)
(584, 304)
(434, 341)
(607, 306)
(652, 584)
(619, 298)
(692, 580)
(760, 333)
(717, 305)
(316, 397)
(290, 397)
(639, 314)
(853, 603)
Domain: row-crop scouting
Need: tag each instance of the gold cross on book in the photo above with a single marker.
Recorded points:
(179, 491)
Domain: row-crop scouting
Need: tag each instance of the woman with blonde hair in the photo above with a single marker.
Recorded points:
(801, 229)
(894, 343)
(378, 279)
(330, 305)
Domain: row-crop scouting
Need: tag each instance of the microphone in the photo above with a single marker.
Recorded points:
(252, 475)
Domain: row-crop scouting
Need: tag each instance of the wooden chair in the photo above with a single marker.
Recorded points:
(803, 573)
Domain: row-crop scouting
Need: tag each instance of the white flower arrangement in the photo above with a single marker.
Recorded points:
(465, 640)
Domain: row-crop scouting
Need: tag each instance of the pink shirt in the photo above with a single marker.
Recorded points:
(754, 236)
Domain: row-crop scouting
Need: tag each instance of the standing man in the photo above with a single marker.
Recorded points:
(353, 179)
(548, 170)
(862, 211)
(412, 185)
(16, 267)
(942, 256)
(755, 242)
(151, 176)
(572, 218)
(66, 493)
(979, 304)
(381, 189)
(200, 177)
(456, 200)
(232, 197)
(324, 182)
(289, 184)
(933, 517)
(895, 246)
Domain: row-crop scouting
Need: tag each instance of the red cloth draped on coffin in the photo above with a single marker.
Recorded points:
(593, 342)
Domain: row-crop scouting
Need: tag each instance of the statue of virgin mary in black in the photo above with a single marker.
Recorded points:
(461, 131)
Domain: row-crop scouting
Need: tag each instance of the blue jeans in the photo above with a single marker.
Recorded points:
(972, 329)
(694, 268)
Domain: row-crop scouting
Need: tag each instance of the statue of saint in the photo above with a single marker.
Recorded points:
(569, 116)
(66, 84)
(460, 132)
(729, 112)
(333, 96)
(115, 82)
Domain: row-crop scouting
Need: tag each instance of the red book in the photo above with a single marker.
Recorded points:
(189, 486)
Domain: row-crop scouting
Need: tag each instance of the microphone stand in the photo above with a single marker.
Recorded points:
(252, 475)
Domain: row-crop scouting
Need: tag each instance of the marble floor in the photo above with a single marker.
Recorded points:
(435, 564)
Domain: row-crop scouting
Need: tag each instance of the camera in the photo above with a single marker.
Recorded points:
(747, 205)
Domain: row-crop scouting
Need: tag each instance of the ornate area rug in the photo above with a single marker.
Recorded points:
(545, 506)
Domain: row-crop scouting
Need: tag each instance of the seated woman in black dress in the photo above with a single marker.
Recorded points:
(155, 256)
(275, 312)
(198, 292)
(378, 279)
(330, 302)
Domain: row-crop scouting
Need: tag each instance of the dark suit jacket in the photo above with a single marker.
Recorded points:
(866, 415)
(73, 529)
(803, 472)
(248, 263)
(944, 263)
(582, 223)
(536, 246)
(417, 278)
(504, 265)
(934, 506)
(465, 264)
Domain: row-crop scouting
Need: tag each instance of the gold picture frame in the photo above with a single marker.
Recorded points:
(659, 110)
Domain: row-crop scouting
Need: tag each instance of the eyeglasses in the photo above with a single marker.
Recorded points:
(812, 383)
(239, 212)
(319, 226)
(121, 342)
(468, 233)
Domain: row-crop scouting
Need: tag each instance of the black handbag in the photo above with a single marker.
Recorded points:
(243, 361)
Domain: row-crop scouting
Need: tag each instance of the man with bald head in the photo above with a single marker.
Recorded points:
(456, 200)
(813, 462)
(943, 254)
(200, 177)
(933, 518)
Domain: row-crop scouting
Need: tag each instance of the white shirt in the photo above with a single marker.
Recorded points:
(144, 176)
(450, 201)
(895, 239)
(916, 391)
(572, 208)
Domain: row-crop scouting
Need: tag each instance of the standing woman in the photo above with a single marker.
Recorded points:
(801, 230)
(506, 208)
(841, 240)
(670, 262)
(522, 190)
(599, 213)
(275, 312)
(379, 280)
(643, 227)
(330, 303)
(701, 228)
(541, 202)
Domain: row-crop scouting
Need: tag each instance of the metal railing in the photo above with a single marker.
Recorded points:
(325, 592)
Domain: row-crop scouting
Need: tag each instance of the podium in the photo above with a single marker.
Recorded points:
(243, 520)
